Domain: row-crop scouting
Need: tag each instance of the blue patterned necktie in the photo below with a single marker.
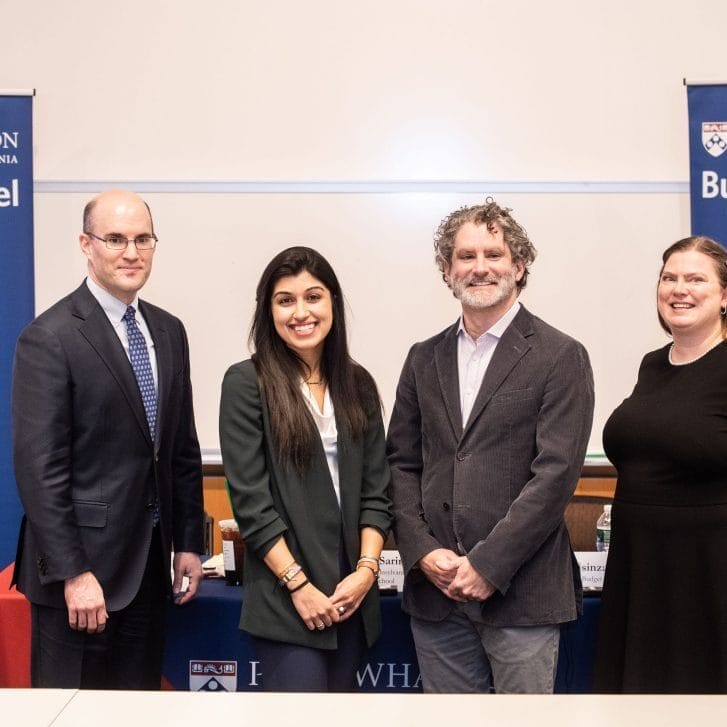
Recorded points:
(139, 355)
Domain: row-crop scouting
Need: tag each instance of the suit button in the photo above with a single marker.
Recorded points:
(149, 506)
(445, 506)
(461, 456)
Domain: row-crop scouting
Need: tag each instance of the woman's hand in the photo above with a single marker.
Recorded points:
(314, 607)
(351, 591)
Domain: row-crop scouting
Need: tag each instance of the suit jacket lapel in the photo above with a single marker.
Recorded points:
(445, 361)
(97, 330)
(513, 345)
(165, 364)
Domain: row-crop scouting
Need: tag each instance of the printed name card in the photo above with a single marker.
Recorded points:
(593, 567)
(391, 574)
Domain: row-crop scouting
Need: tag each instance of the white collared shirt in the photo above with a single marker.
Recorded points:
(326, 422)
(115, 311)
(473, 358)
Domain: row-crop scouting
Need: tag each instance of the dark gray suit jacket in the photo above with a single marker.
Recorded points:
(86, 468)
(496, 487)
(270, 501)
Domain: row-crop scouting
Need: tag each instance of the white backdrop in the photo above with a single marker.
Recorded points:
(571, 113)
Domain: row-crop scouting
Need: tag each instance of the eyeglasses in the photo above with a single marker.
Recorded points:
(119, 242)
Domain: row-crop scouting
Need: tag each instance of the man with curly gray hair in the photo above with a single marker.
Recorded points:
(486, 443)
(489, 214)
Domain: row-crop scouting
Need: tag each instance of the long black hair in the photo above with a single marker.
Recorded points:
(279, 368)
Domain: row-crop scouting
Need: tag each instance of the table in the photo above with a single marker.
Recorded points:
(205, 632)
(71, 708)
(33, 707)
(204, 641)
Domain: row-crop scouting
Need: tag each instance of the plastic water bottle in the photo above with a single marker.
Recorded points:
(603, 529)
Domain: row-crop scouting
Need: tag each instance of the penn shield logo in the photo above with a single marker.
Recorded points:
(714, 137)
(212, 676)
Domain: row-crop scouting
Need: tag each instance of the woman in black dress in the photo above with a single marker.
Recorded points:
(664, 613)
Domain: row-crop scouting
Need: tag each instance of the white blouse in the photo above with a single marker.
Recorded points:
(326, 423)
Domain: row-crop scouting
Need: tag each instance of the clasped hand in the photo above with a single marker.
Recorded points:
(319, 611)
(454, 575)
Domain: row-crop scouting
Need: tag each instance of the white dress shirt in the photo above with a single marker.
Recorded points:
(326, 422)
(115, 311)
(473, 358)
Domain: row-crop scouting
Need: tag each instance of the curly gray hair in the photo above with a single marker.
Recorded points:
(490, 214)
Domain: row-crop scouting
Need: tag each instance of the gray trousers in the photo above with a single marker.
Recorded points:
(460, 654)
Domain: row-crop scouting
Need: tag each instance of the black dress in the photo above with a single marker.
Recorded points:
(663, 622)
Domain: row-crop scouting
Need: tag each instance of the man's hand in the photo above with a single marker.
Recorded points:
(468, 584)
(86, 604)
(440, 567)
(186, 564)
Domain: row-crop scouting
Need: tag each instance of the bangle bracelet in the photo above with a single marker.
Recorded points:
(299, 586)
(291, 573)
(369, 558)
(368, 567)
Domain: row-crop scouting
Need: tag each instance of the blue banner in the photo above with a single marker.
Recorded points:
(16, 284)
(708, 159)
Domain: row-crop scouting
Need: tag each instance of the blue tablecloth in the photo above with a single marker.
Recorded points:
(206, 649)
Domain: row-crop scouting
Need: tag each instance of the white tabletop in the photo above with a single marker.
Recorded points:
(67, 708)
(33, 707)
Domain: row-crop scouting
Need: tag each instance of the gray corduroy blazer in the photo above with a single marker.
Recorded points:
(494, 487)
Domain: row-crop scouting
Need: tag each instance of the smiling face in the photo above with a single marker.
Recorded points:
(689, 296)
(121, 272)
(482, 274)
(302, 311)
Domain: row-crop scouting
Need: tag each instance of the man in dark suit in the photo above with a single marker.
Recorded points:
(107, 465)
(486, 443)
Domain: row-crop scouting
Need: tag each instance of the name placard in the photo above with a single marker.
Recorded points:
(593, 568)
(391, 574)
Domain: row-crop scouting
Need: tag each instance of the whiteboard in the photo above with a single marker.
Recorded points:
(354, 128)
(594, 277)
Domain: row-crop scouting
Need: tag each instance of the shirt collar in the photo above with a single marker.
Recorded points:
(113, 307)
(498, 328)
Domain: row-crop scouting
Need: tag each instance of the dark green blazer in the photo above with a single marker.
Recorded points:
(270, 501)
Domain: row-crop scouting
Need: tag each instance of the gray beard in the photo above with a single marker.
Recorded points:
(486, 297)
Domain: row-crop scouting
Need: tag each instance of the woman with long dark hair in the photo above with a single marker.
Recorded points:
(304, 456)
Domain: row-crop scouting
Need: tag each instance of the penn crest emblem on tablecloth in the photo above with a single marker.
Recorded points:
(212, 676)
(714, 137)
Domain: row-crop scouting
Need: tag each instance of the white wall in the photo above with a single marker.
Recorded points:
(572, 113)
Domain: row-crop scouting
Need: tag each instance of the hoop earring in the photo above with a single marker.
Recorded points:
(723, 310)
